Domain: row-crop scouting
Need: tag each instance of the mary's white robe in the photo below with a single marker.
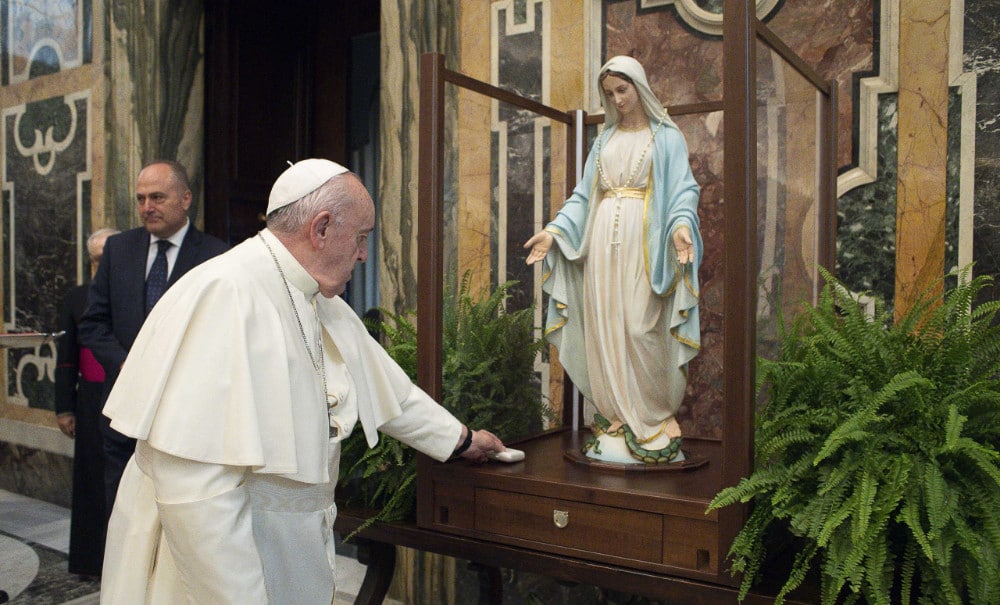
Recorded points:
(229, 498)
(623, 311)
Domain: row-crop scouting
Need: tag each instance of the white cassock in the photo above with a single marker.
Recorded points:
(229, 497)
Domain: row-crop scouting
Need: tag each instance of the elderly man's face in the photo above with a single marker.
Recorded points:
(163, 201)
(348, 244)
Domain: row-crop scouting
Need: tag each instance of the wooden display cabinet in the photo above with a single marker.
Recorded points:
(650, 521)
(654, 521)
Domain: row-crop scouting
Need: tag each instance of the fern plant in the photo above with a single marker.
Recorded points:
(488, 381)
(877, 451)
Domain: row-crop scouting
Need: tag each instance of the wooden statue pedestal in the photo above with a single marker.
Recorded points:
(652, 521)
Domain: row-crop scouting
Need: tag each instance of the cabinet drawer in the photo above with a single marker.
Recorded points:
(607, 530)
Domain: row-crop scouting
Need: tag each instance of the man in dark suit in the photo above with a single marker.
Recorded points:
(136, 268)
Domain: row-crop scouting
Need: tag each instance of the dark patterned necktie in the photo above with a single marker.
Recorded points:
(156, 281)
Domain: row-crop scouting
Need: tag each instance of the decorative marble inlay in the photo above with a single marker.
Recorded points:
(522, 140)
(44, 37)
(46, 216)
(923, 149)
(953, 180)
(44, 130)
(866, 219)
(705, 15)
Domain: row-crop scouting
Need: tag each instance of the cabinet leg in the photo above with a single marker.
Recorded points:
(380, 559)
(490, 584)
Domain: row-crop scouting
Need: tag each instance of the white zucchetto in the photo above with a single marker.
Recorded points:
(301, 179)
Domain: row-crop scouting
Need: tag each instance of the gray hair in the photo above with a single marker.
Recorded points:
(104, 233)
(333, 195)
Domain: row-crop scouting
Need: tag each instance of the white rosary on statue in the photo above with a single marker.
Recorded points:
(626, 184)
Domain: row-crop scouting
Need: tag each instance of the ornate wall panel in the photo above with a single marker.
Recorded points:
(981, 59)
(51, 116)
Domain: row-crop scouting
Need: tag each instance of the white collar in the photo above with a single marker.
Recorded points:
(294, 272)
(176, 239)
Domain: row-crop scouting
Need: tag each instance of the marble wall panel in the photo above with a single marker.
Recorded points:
(701, 412)
(47, 183)
(522, 149)
(155, 97)
(45, 164)
(682, 65)
(922, 152)
(36, 474)
(982, 57)
(44, 37)
(953, 178)
(837, 38)
(866, 218)
(476, 157)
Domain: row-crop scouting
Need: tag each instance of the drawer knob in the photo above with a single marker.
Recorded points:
(560, 518)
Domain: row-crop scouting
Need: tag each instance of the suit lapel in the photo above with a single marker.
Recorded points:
(187, 256)
(135, 260)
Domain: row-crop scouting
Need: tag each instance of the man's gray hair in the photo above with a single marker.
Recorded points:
(105, 232)
(333, 195)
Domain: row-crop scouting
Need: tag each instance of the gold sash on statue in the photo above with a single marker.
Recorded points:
(638, 193)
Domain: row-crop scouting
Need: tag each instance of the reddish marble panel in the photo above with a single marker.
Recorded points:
(837, 39)
(701, 412)
(682, 66)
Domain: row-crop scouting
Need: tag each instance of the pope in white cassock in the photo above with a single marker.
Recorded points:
(239, 389)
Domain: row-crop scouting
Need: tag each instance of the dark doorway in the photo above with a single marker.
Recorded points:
(278, 89)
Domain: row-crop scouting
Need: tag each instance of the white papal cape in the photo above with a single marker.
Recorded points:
(229, 498)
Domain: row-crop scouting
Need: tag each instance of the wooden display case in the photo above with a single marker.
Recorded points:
(650, 521)
(654, 521)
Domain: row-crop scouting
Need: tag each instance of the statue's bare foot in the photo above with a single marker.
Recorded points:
(673, 429)
(615, 427)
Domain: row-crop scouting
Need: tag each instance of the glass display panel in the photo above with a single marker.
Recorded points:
(788, 152)
(504, 179)
(507, 177)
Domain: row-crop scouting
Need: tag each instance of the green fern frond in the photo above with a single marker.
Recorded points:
(854, 429)
(865, 500)
(936, 499)
(800, 568)
(760, 482)
(909, 515)
(898, 423)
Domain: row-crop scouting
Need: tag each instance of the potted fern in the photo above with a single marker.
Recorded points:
(877, 450)
(488, 381)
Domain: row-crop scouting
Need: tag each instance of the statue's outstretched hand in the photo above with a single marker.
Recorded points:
(539, 244)
(684, 245)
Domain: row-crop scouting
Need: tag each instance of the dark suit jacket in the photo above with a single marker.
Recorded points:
(116, 300)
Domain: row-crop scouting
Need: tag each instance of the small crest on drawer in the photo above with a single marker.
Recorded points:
(560, 518)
